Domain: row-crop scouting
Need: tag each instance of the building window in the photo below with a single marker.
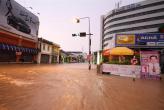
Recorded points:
(134, 29)
(135, 22)
(43, 46)
(137, 8)
(135, 15)
(48, 48)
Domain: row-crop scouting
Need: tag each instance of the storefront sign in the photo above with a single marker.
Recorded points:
(17, 19)
(150, 67)
(149, 39)
(122, 70)
(138, 40)
(125, 39)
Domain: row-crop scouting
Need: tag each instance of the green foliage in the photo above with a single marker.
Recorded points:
(105, 59)
(127, 60)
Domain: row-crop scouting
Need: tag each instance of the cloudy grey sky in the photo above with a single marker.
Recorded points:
(56, 20)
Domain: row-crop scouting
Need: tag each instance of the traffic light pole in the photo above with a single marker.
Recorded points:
(89, 46)
(89, 61)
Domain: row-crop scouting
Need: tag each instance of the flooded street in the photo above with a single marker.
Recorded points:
(74, 87)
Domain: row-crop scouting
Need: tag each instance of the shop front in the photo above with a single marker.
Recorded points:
(18, 33)
(13, 53)
(148, 55)
(45, 58)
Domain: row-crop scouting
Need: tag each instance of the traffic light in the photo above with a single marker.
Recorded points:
(82, 34)
(74, 35)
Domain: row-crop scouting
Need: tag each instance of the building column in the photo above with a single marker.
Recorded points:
(35, 59)
(18, 56)
(39, 57)
(58, 59)
(50, 59)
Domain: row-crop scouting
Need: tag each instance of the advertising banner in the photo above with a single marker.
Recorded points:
(150, 39)
(150, 67)
(17, 19)
(122, 70)
(140, 40)
(125, 39)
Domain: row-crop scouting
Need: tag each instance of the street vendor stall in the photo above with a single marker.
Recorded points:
(117, 65)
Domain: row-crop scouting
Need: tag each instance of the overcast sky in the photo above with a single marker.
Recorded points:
(56, 20)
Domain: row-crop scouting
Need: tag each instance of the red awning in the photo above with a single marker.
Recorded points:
(106, 52)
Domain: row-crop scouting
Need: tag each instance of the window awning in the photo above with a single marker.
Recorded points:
(8, 47)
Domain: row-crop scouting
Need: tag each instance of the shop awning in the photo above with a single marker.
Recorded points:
(106, 52)
(121, 51)
(8, 47)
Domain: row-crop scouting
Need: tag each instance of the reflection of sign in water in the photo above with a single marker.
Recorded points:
(150, 67)
(125, 39)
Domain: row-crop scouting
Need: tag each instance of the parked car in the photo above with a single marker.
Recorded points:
(18, 24)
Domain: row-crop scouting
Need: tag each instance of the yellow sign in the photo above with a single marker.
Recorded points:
(125, 39)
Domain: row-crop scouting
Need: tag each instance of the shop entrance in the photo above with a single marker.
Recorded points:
(45, 58)
(7, 56)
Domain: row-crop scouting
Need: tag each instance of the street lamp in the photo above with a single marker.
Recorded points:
(78, 21)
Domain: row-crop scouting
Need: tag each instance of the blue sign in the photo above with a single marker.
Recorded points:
(149, 39)
(142, 39)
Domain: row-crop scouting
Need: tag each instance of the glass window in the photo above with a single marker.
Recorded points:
(134, 28)
(135, 15)
(135, 22)
(137, 8)
(48, 48)
(43, 46)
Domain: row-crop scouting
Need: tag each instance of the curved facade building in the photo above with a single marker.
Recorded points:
(141, 17)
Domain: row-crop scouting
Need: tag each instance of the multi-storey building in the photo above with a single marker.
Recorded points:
(142, 17)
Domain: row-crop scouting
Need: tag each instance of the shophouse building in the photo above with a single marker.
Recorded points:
(18, 33)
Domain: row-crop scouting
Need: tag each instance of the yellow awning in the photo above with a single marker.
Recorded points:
(121, 51)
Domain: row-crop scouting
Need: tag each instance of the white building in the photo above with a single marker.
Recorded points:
(45, 54)
(142, 17)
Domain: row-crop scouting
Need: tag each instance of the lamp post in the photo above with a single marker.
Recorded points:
(78, 21)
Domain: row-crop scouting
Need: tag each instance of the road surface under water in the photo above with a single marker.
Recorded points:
(74, 87)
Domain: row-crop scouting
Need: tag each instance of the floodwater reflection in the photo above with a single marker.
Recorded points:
(73, 87)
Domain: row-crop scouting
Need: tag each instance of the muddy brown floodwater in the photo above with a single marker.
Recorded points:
(74, 87)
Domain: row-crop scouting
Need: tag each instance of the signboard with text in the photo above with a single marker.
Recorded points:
(122, 70)
(137, 40)
(150, 67)
(17, 19)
